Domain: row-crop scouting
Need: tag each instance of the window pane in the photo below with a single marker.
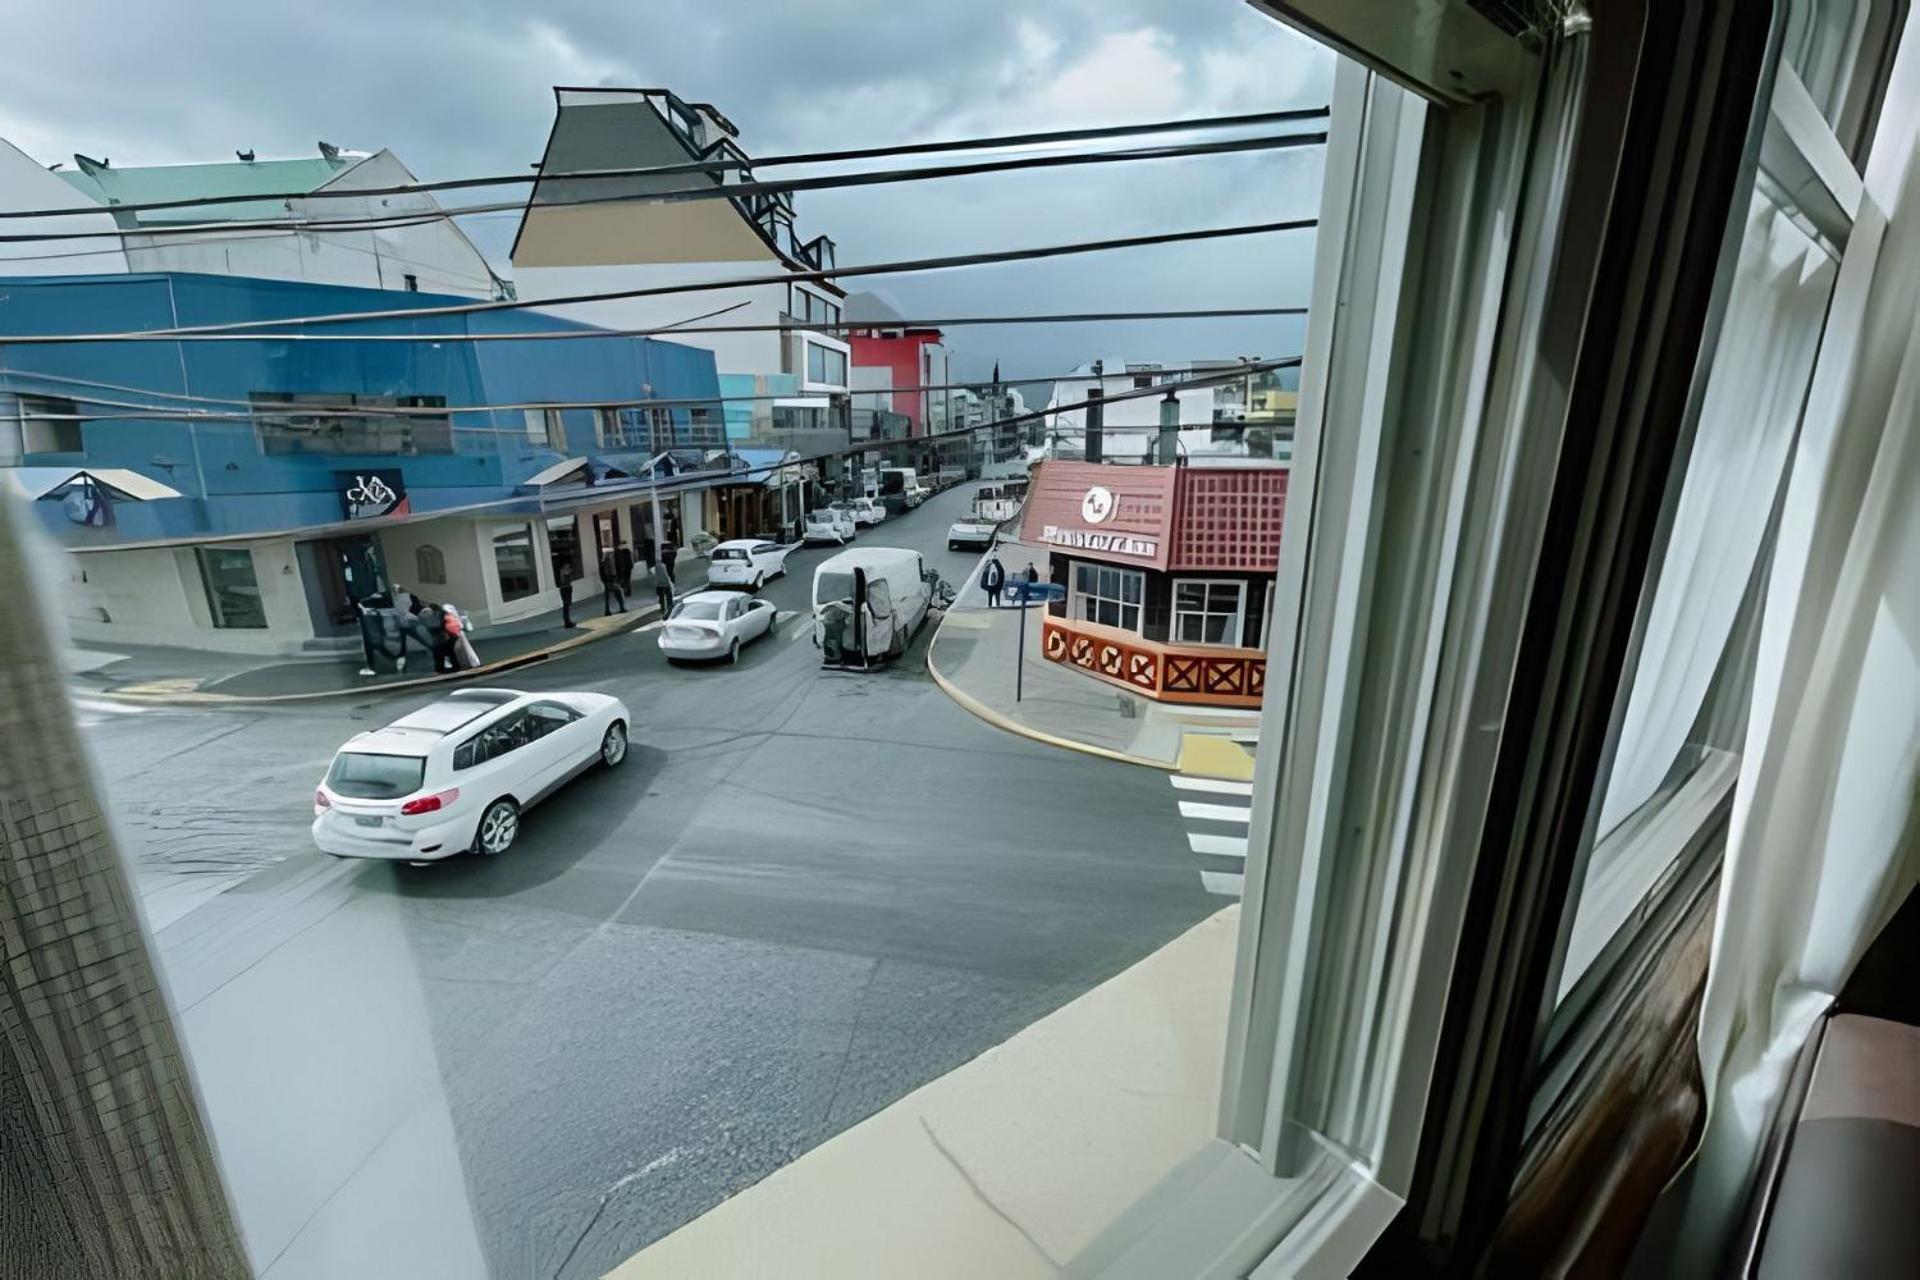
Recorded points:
(1109, 614)
(233, 593)
(1130, 587)
(513, 557)
(1189, 595)
(1215, 629)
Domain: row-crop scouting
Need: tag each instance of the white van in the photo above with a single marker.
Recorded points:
(867, 605)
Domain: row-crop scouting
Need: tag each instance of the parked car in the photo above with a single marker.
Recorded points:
(714, 624)
(828, 525)
(867, 605)
(457, 774)
(971, 531)
(863, 510)
(746, 562)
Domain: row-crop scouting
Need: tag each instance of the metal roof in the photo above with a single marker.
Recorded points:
(145, 183)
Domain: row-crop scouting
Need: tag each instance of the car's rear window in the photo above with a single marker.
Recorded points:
(702, 610)
(363, 776)
(729, 553)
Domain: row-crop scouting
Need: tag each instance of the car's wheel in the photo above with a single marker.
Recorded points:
(613, 747)
(499, 825)
(733, 650)
(759, 580)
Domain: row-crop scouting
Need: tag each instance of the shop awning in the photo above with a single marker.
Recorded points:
(41, 482)
(575, 471)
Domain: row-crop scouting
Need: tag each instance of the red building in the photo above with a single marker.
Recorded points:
(911, 358)
(1169, 574)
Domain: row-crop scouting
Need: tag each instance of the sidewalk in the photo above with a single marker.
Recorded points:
(142, 673)
(973, 657)
(1007, 1166)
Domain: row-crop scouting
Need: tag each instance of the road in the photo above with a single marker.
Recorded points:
(803, 895)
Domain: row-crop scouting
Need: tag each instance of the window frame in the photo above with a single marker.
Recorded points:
(59, 415)
(1076, 597)
(215, 612)
(1236, 634)
(501, 534)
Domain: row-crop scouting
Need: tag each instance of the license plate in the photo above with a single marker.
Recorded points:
(369, 822)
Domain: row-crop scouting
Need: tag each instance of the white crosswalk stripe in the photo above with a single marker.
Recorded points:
(88, 712)
(1216, 829)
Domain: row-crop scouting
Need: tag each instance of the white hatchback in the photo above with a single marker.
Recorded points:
(828, 525)
(746, 562)
(457, 774)
(715, 624)
(863, 510)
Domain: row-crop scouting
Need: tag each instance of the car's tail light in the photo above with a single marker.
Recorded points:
(320, 802)
(431, 804)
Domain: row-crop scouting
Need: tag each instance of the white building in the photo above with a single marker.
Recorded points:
(1130, 425)
(584, 235)
(432, 256)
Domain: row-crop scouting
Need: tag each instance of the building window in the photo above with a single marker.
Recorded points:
(701, 428)
(1208, 611)
(48, 424)
(610, 428)
(429, 565)
(563, 545)
(824, 365)
(340, 423)
(1108, 596)
(513, 558)
(660, 424)
(548, 427)
(233, 592)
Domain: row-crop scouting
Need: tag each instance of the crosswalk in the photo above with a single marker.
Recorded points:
(88, 712)
(1215, 812)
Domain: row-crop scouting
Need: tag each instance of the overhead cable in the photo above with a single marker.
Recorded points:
(784, 186)
(705, 165)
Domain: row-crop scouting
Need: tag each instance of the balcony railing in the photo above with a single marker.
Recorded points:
(1196, 673)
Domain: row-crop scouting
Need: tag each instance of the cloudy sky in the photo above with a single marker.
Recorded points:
(465, 88)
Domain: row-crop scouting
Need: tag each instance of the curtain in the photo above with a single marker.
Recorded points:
(1752, 404)
(1822, 844)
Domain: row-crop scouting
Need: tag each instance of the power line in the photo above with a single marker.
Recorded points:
(903, 266)
(741, 190)
(705, 165)
(561, 335)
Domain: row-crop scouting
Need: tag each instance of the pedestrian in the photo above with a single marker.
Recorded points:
(668, 550)
(663, 586)
(623, 564)
(992, 579)
(563, 573)
(611, 594)
(373, 632)
(434, 619)
(647, 552)
(1033, 574)
(456, 627)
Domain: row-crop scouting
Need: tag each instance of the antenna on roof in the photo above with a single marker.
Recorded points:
(245, 155)
(88, 164)
(329, 151)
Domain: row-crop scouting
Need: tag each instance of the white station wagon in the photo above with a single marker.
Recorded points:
(746, 562)
(457, 774)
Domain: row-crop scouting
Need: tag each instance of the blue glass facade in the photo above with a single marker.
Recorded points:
(244, 470)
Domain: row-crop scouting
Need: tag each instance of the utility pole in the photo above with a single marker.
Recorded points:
(106, 1166)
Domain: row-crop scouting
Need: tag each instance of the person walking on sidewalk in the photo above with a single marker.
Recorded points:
(564, 573)
(663, 586)
(457, 629)
(623, 565)
(992, 579)
(668, 550)
(611, 594)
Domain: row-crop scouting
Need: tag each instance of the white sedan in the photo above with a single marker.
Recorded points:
(456, 775)
(714, 624)
(828, 525)
(746, 562)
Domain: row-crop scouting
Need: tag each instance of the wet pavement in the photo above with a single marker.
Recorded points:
(804, 894)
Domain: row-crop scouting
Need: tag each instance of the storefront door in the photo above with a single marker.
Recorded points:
(338, 573)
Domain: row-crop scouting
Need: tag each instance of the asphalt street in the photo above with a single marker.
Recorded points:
(804, 894)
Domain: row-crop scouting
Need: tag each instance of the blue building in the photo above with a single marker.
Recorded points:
(240, 495)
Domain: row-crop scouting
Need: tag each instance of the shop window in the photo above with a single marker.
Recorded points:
(429, 565)
(48, 424)
(341, 423)
(1107, 595)
(233, 592)
(563, 545)
(513, 558)
(1208, 611)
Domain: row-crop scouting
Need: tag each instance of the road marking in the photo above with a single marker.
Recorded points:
(1225, 846)
(1219, 786)
(655, 625)
(1214, 812)
(1228, 884)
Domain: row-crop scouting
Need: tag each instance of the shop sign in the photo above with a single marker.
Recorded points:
(1098, 505)
(367, 494)
(1124, 544)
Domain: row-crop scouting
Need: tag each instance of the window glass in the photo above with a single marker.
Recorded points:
(832, 586)
(340, 423)
(698, 610)
(233, 593)
(513, 558)
(430, 565)
(1109, 596)
(48, 424)
(366, 776)
(1208, 612)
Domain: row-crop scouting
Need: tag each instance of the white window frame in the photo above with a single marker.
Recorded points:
(1077, 598)
(1236, 634)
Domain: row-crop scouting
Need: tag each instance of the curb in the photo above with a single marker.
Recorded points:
(201, 698)
(1010, 725)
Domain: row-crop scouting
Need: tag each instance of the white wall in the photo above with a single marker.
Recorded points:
(732, 352)
(25, 183)
(156, 597)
